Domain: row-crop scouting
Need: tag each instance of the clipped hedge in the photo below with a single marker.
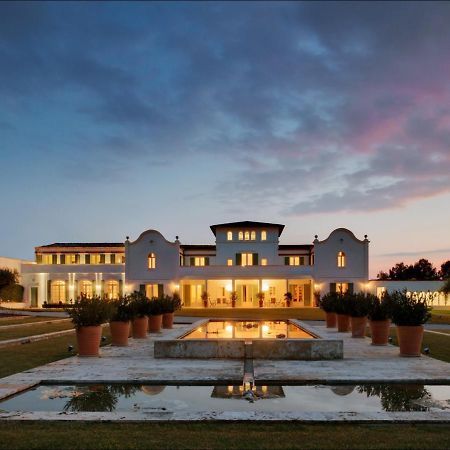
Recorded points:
(11, 293)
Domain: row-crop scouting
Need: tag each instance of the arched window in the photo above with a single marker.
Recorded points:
(58, 291)
(112, 289)
(263, 235)
(85, 287)
(341, 259)
(229, 235)
(247, 235)
(253, 235)
(241, 235)
(152, 261)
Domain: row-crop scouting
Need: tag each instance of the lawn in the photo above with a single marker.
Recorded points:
(440, 316)
(24, 319)
(215, 435)
(32, 330)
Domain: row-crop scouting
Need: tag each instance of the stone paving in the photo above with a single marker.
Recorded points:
(135, 363)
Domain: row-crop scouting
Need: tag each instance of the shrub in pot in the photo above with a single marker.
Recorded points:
(288, 298)
(88, 314)
(139, 305)
(342, 309)
(260, 296)
(359, 305)
(379, 318)
(328, 304)
(204, 298)
(409, 314)
(233, 298)
(119, 323)
(155, 314)
(170, 305)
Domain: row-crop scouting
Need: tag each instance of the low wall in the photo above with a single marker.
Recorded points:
(13, 305)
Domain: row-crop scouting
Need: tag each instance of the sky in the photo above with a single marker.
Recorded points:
(121, 117)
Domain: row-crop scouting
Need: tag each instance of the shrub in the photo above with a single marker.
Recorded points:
(139, 304)
(343, 303)
(380, 309)
(121, 310)
(156, 306)
(170, 304)
(60, 305)
(328, 302)
(87, 312)
(359, 304)
(409, 311)
(8, 276)
(11, 293)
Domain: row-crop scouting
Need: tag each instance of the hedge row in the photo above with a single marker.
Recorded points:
(11, 293)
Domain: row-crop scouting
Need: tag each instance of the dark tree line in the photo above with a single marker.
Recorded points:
(420, 270)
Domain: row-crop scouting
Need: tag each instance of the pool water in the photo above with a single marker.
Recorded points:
(248, 329)
(311, 398)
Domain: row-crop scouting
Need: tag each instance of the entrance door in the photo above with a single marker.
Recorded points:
(34, 297)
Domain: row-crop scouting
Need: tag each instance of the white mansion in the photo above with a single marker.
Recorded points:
(247, 259)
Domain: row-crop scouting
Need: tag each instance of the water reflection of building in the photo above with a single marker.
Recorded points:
(152, 390)
(236, 392)
(342, 390)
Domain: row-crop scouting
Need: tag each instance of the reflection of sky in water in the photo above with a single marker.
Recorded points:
(198, 398)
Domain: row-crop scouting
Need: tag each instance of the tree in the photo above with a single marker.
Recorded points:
(8, 276)
(445, 270)
(421, 270)
(424, 270)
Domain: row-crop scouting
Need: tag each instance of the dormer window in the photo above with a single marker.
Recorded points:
(341, 259)
(229, 235)
(263, 235)
(152, 261)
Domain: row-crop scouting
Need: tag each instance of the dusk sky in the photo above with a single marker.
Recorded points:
(120, 117)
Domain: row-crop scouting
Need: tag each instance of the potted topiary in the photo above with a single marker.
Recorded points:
(288, 298)
(359, 305)
(342, 312)
(409, 314)
(379, 318)
(328, 304)
(155, 314)
(119, 323)
(139, 305)
(87, 315)
(233, 298)
(204, 298)
(170, 305)
(260, 296)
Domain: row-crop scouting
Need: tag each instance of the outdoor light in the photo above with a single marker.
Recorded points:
(228, 287)
(230, 389)
(69, 348)
(265, 287)
(426, 350)
(103, 338)
(389, 339)
(265, 328)
(229, 328)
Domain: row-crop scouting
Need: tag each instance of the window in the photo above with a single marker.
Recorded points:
(263, 235)
(58, 291)
(95, 258)
(247, 236)
(342, 288)
(112, 258)
(229, 235)
(72, 259)
(112, 289)
(294, 260)
(264, 261)
(253, 235)
(120, 258)
(151, 290)
(241, 236)
(85, 287)
(199, 261)
(229, 262)
(62, 259)
(247, 259)
(152, 261)
(341, 259)
(87, 259)
(102, 258)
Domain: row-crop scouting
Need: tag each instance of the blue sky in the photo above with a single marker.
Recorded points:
(119, 117)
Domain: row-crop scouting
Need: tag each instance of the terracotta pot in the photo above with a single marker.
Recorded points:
(359, 326)
(119, 333)
(155, 323)
(88, 339)
(140, 325)
(167, 320)
(288, 303)
(205, 303)
(261, 303)
(331, 319)
(233, 303)
(379, 330)
(410, 339)
(343, 323)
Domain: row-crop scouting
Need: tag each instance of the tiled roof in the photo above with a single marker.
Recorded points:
(85, 244)
(248, 224)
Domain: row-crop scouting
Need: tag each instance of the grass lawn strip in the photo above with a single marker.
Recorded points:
(238, 435)
(18, 320)
(33, 330)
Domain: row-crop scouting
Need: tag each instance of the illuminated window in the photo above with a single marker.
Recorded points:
(253, 235)
(199, 261)
(151, 290)
(263, 235)
(241, 236)
(119, 257)
(48, 259)
(85, 287)
(264, 261)
(152, 261)
(229, 236)
(112, 289)
(58, 291)
(95, 258)
(341, 259)
(247, 235)
(294, 260)
(247, 259)
(342, 288)
(72, 259)
(229, 262)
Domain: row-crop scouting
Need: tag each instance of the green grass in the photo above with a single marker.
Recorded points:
(256, 313)
(18, 358)
(17, 320)
(215, 435)
(32, 330)
(440, 316)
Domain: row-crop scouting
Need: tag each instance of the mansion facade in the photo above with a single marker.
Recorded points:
(247, 259)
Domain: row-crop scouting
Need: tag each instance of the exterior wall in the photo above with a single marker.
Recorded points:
(326, 269)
